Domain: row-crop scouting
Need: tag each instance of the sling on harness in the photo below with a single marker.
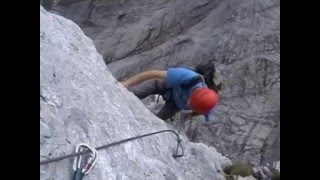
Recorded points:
(80, 167)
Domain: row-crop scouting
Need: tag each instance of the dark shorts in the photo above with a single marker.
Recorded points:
(154, 87)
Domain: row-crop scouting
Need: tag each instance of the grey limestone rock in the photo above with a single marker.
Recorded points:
(81, 102)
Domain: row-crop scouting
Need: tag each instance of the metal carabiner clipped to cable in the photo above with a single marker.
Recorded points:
(81, 167)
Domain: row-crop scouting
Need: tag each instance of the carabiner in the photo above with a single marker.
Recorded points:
(83, 168)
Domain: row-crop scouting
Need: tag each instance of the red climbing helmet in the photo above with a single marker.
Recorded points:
(202, 100)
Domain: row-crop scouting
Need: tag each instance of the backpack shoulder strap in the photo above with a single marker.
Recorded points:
(195, 80)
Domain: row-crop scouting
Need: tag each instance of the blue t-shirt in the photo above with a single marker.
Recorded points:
(176, 77)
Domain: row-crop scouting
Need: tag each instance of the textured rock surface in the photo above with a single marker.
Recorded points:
(242, 36)
(82, 102)
(245, 178)
(267, 172)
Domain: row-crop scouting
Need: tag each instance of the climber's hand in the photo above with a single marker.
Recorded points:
(125, 84)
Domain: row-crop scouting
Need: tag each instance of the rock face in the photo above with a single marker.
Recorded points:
(81, 102)
(241, 36)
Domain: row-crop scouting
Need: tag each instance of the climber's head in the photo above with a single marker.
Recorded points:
(203, 100)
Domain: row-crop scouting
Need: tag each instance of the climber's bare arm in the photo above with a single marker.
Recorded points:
(144, 76)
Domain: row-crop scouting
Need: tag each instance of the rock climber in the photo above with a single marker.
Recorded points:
(192, 90)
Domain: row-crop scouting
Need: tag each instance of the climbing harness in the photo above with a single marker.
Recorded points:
(87, 150)
(80, 167)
